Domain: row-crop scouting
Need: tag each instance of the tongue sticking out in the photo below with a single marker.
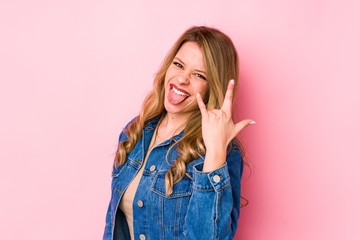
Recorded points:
(175, 98)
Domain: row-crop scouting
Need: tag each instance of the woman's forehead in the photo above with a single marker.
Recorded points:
(191, 55)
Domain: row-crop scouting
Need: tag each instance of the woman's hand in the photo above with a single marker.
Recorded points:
(218, 129)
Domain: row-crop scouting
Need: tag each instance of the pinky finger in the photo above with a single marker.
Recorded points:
(242, 124)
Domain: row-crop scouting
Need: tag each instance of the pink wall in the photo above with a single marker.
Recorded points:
(74, 72)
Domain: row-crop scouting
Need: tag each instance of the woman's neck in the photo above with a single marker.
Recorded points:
(171, 125)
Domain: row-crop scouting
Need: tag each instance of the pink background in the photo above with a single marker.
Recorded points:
(74, 72)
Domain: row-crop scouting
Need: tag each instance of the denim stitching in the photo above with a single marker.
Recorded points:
(177, 211)
(132, 164)
(166, 226)
(212, 189)
(161, 209)
(216, 230)
(173, 195)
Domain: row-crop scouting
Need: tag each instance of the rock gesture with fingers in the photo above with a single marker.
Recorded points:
(218, 129)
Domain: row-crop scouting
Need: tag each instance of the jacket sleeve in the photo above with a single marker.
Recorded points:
(214, 206)
(108, 220)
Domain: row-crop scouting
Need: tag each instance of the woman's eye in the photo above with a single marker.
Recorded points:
(200, 76)
(178, 65)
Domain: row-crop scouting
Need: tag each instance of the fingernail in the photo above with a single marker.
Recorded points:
(252, 122)
(198, 94)
(232, 81)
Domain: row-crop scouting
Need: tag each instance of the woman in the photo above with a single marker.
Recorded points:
(178, 166)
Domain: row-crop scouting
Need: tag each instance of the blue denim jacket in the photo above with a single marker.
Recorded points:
(205, 205)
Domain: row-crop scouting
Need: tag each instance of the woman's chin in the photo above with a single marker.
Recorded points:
(178, 110)
(173, 109)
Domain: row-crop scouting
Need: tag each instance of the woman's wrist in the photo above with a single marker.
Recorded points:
(214, 158)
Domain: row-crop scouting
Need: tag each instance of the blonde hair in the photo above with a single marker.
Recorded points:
(221, 61)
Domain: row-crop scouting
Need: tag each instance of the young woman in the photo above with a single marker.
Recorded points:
(178, 165)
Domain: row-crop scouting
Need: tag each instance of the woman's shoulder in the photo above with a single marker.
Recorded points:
(123, 135)
(153, 121)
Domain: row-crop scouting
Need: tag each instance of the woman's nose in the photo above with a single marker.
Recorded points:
(184, 78)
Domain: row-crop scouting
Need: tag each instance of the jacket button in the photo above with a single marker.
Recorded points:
(216, 178)
(152, 168)
(142, 237)
(140, 203)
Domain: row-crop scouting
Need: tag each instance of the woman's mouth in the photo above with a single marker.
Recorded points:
(177, 95)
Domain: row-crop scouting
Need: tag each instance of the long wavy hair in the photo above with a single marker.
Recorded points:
(221, 61)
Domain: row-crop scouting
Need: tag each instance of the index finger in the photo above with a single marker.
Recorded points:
(226, 107)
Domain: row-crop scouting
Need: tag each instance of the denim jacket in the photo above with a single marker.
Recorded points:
(203, 205)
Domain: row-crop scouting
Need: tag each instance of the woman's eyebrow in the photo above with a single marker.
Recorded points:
(177, 58)
(200, 71)
(180, 60)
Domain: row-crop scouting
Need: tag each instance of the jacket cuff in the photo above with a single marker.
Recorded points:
(210, 181)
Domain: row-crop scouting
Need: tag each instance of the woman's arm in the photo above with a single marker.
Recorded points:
(214, 206)
(215, 203)
(108, 220)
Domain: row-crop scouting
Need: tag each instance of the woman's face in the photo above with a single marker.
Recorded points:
(184, 78)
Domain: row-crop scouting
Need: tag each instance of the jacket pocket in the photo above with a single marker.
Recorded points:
(170, 210)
